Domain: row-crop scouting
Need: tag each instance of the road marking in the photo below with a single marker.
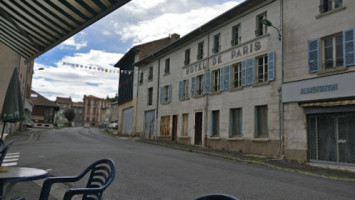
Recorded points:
(11, 159)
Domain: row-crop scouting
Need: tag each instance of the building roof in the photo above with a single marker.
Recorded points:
(31, 28)
(78, 104)
(147, 49)
(237, 11)
(94, 97)
(63, 100)
(39, 100)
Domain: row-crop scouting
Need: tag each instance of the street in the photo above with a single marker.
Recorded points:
(153, 172)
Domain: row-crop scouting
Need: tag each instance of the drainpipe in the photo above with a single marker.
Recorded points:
(157, 109)
(281, 105)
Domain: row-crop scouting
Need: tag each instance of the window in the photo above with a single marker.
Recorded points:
(328, 5)
(185, 122)
(333, 51)
(200, 51)
(185, 89)
(260, 27)
(215, 80)
(187, 57)
(236, 36)
(150, 96)
(165, 126)
(237, 75)
(215, 123)
(262, 69)
(150, 76)
(236, 122)
(141, 77)
(167, 66)
(166, 93)
(261, 121)
(216, 43)
(199, 85)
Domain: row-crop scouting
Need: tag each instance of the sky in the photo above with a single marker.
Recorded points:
(103, 44)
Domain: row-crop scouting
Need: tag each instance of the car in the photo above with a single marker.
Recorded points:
(29, 124)
(86, 125)
(113, 125)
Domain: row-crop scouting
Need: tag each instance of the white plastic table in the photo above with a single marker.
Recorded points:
(13, 175)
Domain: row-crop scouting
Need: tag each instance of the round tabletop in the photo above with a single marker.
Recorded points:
(17, 174)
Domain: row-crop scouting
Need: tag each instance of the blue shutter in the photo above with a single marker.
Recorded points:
(227, 77)
(169, 93)
(180, 90)
(349, 47)
(187, 88)
(271, 65)
(207, 83)
(161, 95)
(250, 71)
(313, 55)
(193, 86)
(244, 71)
(221, 79)
(210, 133)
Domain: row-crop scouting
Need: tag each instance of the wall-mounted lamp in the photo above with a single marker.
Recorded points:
(268, 23)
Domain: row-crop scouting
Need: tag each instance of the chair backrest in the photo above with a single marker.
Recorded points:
(102, 173)
(3, 149)
(216, 197)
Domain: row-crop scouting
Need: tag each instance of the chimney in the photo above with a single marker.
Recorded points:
(175, 36)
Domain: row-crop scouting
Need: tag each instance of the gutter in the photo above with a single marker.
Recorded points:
(281, 105)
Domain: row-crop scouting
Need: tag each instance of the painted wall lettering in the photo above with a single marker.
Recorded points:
(246, 49)
(196, 67)
(217, 60)
(318, 89)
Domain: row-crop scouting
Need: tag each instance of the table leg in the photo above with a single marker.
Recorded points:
(6, 190)
(1, 190)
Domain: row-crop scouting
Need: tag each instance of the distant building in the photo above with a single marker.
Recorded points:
(114, 112)
(43, 111)
(127, 97)
(64, 104)
(78, 108)
(105, 116)
(92, 109)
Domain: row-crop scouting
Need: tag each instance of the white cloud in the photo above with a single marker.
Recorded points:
(171, 22)
(139, 7)
(66, 80)
(75, 41)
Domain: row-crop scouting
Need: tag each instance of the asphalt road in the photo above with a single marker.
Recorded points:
(153, 172)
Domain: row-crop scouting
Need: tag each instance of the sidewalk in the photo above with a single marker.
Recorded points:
(320, 170)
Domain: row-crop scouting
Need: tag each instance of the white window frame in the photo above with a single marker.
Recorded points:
(262, 69)
(199, 85)
(216, 80)
(334, 52)
(237, 71)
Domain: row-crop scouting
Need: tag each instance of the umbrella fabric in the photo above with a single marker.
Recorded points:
(12, 110)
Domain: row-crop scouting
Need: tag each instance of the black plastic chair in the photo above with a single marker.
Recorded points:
(102, 173)
(3, 149)
(216, 197)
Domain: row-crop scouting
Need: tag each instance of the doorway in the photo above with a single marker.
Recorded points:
(175, 121)
(198, 128)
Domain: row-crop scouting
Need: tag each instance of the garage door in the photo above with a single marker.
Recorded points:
(127, 121)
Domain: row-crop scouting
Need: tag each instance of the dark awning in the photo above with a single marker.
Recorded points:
(32, 27)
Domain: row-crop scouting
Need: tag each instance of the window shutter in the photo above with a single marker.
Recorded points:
(180, 90)
(226, 77)
(221, 79)
(244, 70)
(211, 120)
(271, 65)
(193, 86)
(313, 55)
(161, 95)
(349, 47)
(207, 82)
(169, 93)
(250, 71)
(187, 88)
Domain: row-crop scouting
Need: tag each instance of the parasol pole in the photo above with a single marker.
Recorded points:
(3, 129)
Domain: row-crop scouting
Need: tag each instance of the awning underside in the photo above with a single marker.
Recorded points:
(329, 103)
(32, 27)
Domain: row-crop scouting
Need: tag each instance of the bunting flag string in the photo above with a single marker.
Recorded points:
(99, 68)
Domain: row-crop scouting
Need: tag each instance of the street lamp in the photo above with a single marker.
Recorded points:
(268, 23)
(39, 69)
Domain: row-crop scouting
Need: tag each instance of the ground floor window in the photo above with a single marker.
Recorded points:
(236, 122)
(165, 126)
(331, 137)
(215, 123)
(185, 122)
(261, 121)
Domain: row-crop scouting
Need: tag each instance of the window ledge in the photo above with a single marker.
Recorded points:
(166, 74)
(214, 138)
(261, 84)
(260, 140)
(164, 136)
(236, 89)
(215, 92)
(330, 12)
(198, 96)
(185, 99)
(150, 80)
(235, 139)
(332, 71)
(184, 137)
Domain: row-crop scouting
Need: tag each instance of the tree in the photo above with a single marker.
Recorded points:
(69, 114)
